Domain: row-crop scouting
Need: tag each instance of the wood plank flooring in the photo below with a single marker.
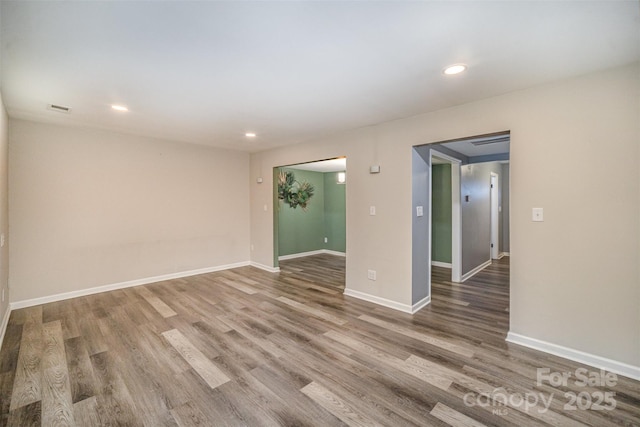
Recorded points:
(247, 347)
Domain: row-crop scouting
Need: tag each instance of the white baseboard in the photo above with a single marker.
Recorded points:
(503, 254)
(441, 264)
(304, 254)
(121, 285)
(300, 255)
(598, 362)
(335, 253)
(405, 308)
(475, 271)
(420, 304)
(265, 267)
(4, 324)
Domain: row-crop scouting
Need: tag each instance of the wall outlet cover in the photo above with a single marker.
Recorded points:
(537, 215)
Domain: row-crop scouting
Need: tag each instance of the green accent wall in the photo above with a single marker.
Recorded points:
(335, 219)
(304, 231)
(441, 213)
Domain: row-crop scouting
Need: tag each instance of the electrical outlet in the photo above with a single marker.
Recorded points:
(326, 240)
(372, 210)
(371, 274)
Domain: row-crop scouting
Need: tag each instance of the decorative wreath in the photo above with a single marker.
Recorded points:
(292, 192)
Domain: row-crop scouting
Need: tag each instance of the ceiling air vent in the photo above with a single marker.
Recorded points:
(489, 139)
(59, 108)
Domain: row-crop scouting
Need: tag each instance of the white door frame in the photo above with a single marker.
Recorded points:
(494, 249)
(456, 215)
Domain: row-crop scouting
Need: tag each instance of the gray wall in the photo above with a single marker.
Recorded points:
(475, 181)
(476, 213)
(420, 225)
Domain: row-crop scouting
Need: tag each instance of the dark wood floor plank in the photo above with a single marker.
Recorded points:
(83, 383)
(115, 405)
(248, 347)
(27, 415)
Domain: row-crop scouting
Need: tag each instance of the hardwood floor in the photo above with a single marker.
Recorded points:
(247, 347)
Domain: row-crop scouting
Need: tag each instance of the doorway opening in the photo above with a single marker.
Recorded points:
(467, 215)
(310, 219)
(445, 214)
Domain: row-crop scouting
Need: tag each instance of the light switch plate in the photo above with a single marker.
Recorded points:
(419, 211)
(372, 210)
(537, 215)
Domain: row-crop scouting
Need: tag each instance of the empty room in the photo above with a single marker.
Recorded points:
(310, 213)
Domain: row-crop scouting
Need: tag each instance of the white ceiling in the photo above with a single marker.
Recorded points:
(333, 165)
(207, 72)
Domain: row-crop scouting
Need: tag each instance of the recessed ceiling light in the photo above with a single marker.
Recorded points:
(119, 108)
(454, 69)
(250, 135)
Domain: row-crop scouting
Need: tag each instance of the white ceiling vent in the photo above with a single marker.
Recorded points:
(59, 108)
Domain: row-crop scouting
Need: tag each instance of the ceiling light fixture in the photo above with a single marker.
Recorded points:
(250, 135)
(454, 69)
(119, 108)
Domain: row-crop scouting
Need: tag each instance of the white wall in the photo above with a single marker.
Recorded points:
(574, 277)
(91, 208)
